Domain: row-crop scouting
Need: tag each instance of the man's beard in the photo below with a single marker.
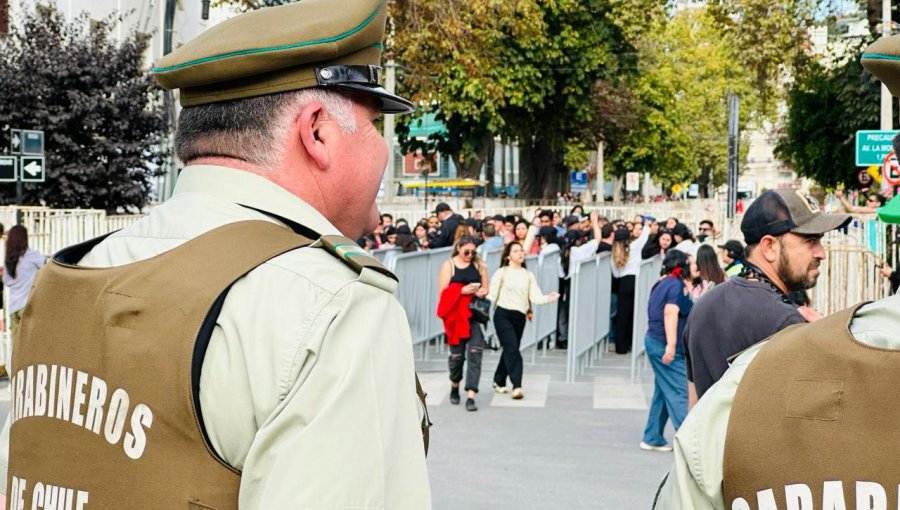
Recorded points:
(795, 283)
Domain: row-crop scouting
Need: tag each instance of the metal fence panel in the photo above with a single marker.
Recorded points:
(386, 255)
(603, 298)
(529, 335)
(590, 279)
(547, 276)
(646, 278)
(415, 292)
(435, 259)
(492, 259)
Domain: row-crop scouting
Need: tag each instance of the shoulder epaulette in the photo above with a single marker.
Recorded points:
(352, 255)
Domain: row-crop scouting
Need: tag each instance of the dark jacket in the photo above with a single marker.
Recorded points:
(443, 237)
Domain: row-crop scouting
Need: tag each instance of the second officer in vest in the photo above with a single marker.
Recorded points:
(217, 354)
(807, 419)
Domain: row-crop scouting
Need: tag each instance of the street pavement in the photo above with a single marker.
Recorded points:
(566, 445)
(571, 446)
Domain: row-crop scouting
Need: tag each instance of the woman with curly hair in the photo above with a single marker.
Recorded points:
(669, 306)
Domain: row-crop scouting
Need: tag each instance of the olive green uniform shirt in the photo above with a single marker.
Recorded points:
(298, 390)
(695, 480)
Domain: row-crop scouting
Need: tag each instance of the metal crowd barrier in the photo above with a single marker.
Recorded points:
(386, 255)
(589, 291)
(417, 292)
(542, 327)
(646, 278)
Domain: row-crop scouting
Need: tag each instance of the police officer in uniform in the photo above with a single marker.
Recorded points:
(216, 354)
(807, 419)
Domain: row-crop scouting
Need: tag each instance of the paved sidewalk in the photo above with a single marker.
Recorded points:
(565, 446)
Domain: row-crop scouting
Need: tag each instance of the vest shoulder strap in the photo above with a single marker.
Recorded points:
(348, 252)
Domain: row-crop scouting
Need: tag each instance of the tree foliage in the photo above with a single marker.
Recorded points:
(826, 107)
(770, 39)
(456, 62)
(687, 71)
(96, 104)
(582, 46)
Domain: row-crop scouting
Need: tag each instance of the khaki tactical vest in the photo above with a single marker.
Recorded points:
(105, 395)
(815, 423)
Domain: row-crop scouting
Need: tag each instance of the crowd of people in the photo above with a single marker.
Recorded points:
(463, 280)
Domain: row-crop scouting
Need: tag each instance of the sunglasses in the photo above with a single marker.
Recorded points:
(467, 253)
(701, 229)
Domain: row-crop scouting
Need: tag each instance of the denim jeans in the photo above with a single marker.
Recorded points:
(468, 350)
(670, 394)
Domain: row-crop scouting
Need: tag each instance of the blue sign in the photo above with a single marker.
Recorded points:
(578, 182)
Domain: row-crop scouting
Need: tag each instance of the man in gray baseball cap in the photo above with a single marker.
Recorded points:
(783, 231)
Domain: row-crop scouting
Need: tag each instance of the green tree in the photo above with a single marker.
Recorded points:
(454, 62)
(770, 39)
(825, 109)
(686, 72)
(96, 103)
(582, 46)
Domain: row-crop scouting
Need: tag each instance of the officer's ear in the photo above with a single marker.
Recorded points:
(310, 126)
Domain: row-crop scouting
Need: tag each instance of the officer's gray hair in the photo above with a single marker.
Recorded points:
(251, 129)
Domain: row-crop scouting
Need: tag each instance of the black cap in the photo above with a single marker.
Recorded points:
(734, 248)
(441, 207)
(472, 222)
(570, 220)
(780, 211)
(621, 234)
(404, 229)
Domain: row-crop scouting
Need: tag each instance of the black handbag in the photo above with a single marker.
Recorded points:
(481, 309)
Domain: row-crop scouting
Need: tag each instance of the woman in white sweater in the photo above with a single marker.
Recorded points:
(514, 289)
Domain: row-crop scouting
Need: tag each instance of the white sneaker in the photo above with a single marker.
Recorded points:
(499, 389)
(518, 394)
(652, 448)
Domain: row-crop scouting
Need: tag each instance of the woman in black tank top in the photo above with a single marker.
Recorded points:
(465, 269)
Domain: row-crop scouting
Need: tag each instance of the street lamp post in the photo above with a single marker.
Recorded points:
(425, 171)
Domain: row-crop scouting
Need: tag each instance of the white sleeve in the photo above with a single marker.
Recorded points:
(638, 244)
(347, 434)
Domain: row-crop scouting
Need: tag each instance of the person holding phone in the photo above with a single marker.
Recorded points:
(462, 277)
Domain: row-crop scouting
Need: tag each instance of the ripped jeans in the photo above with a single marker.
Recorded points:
(473, 349)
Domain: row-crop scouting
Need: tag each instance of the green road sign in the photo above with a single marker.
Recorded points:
(9, 168)
(33, 169)
(873, 146)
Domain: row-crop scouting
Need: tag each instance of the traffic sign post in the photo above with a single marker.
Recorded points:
(15, 141)
(890, 170)
(632, 181)
(33, 169)
(33, 142)
(578, 182)
(873, 146)
(9, 168)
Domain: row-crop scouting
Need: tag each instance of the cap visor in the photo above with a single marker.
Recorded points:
(390, 103)
(823, 223)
